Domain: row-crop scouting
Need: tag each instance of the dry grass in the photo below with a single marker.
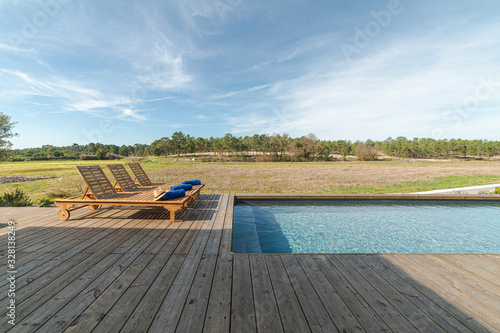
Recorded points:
(337, 177)
(333, 177)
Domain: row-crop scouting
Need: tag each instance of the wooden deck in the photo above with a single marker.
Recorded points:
(132, 270)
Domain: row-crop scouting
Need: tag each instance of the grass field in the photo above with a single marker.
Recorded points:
(327, 177)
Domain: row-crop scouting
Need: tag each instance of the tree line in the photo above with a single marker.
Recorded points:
(76, 151)
(283, 147)
(275, 147)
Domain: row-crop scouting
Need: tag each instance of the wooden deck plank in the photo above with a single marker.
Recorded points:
(22, 216)
(467, 278)
(317, 316)
(292, 316)
(343, 318)
(45, 274)
(37, 231)
(426, 289)
(455, 279)
(33, 228)
(72, 300)
(36, 293)
(404, 284)
(484, 263)
(192, 317)
(85, 238)
(399, 300)
(266, 311)
(456, 297)
(51, 238)
(31, 318)
(242, 303)
(20, 213)
(167, 317)
(136, 308)
(493, 260)
(92, 276)
(43, 230)
(91, 317)
(368, 318)
(219, 305)
(470, 267)
(132, 270)
(134, 258)
(377, 302)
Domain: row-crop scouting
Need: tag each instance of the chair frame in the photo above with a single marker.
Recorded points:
(139, 174)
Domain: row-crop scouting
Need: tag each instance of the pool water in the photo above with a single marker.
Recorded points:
(366, 226)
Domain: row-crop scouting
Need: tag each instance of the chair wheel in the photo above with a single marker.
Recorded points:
(63, 214)
(95, 207)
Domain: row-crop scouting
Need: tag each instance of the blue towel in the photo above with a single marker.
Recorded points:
(173, 195)
(184, 187)
(192, 182)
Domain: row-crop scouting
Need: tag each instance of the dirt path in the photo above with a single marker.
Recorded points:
(20, 179)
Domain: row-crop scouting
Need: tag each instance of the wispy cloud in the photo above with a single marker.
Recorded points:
(166, 72)
(398, 91)
(254, 66)
(71, 96)
(14, 49)
(239, 92)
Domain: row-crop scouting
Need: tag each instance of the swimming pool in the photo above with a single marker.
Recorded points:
(366, 226)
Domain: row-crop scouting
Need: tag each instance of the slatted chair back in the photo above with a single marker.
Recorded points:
(96, 181)
(122, 177)
(139, 174)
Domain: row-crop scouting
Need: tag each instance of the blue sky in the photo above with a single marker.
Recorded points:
(128, 72)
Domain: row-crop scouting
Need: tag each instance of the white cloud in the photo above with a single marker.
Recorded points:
(132, 114)
(403, 90)
(166, 73)
(206, 17)
(239, 92)
(72, 96)
(15, 49)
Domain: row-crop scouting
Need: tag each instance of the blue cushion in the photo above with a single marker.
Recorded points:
(192, 182)
(174, 194)
(184, 187)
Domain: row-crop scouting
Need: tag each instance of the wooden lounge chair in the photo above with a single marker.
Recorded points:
(100, 192)
(139, 174)
(124, 183)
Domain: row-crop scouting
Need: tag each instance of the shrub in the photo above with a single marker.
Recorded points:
(111, 156)
(263, 158)
(100, 154)
(44, 203)
(15, 199)
(366, 153)
(88, 157)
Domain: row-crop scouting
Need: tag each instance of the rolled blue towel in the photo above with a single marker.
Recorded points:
(192, 182)
(173, 194)
(185, 187)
